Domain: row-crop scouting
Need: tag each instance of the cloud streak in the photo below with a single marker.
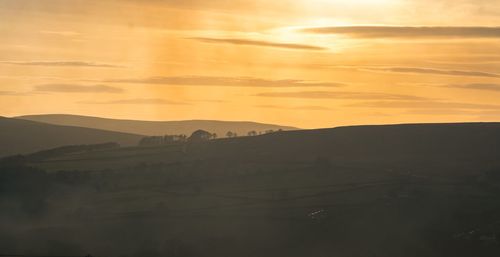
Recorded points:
(227, 81)
(13, 93)
(60, 33)
(138, 101)
(61, 64)
(340, 95)
(72, 88)
(477, 86)
(408, 32)
(432, 71)
(305, 107)
(425, 105)
(236, 41)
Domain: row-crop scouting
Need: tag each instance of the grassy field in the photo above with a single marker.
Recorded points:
(374, 191)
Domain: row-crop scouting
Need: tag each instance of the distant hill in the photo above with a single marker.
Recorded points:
(23, 136)
(416, 147)
(407, 145)
(153, 128)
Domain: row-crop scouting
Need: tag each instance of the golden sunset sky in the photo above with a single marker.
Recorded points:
(304, 63)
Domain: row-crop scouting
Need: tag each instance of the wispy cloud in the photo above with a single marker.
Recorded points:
(13, 93)
(209, 100)
(425, 105)
(304, 107)
(443, 112)
(477, 86)
(236, 41)
(62, 64)
(60, 33)
(408, 32)
(340, 95)
(432, 71)
(227, 81)
(73, 88)
(138, 101)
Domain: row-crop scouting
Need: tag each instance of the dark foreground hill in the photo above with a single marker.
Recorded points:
(22, 136)
(155, 128)
(461, 146)
(405, 190)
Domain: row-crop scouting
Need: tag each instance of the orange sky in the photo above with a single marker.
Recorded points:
(305, 63)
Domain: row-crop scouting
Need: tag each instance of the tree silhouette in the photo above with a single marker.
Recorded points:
(252, 133)
(200, 135)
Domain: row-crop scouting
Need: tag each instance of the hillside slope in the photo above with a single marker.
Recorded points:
(436, 143)
(22, 136)
(400, 190)
(432, 146)
(155, 127)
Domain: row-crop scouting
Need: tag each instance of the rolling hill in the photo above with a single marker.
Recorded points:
(457, 145)
(397, 190)
(23, 136)
(155, 128)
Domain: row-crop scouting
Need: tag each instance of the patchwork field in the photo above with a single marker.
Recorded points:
(359, 191)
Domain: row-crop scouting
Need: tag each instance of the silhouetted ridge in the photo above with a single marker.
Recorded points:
(23, 136)
(156, 128)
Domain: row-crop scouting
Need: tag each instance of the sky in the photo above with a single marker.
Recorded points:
(303, 63)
